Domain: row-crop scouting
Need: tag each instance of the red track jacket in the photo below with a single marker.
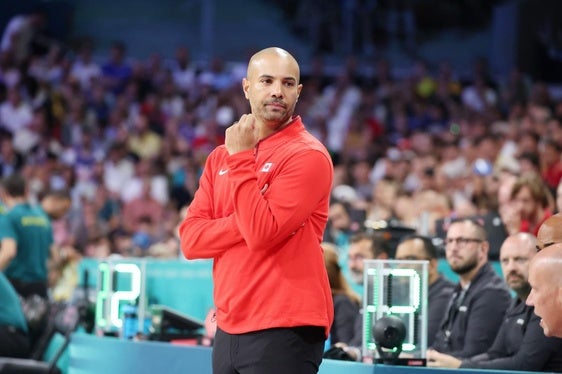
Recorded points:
(260, 214)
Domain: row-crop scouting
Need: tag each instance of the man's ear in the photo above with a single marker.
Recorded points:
(245, 85)
(433, 264)
(485, 248)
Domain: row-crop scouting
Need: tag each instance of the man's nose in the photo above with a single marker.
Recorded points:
(277, 89)
(531, 298)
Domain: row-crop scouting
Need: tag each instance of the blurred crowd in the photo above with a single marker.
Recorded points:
(367, 26)
(124, 140)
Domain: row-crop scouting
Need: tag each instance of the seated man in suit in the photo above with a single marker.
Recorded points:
(520, 343)
(477, 307)
(417, 247)
(546, 289)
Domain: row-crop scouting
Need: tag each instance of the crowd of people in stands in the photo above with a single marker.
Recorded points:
(120, 143)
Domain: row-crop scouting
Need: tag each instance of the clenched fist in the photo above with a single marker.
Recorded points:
(242, 135)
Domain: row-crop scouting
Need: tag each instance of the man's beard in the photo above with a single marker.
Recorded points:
(356, 276)
(279, 115)
(523, 289)
(467, 267)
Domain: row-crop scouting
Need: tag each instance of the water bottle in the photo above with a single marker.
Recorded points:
(130, 322)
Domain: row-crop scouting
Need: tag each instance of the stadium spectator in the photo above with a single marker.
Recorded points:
(15, 112)
(116, 71)
(550, 232)
(19, 34)
(84, 69)
(551, 164)
(346, 301)
(420, 248)
(531, 200)
(26, 240)
(141, 209)
(363, 246)
(546, 291)
(11, 161)
(480, 299)
(343, 221)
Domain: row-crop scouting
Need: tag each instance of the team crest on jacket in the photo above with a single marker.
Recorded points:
(266, 167)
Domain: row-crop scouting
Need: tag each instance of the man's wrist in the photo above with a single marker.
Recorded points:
(354, 352)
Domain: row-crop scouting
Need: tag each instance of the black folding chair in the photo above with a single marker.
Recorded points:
(65, 322)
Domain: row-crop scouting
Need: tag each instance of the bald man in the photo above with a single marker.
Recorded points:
(520, 343)
(545, 276)
(550, 232)
(260, 213)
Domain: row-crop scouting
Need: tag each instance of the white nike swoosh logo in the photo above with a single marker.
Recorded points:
(223, 172)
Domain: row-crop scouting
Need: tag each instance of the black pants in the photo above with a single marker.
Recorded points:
(296, 350)
(37, 314)
(26, 289)
(13, 343)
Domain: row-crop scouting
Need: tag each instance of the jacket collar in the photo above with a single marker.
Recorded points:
(284, 135)
(485, 269)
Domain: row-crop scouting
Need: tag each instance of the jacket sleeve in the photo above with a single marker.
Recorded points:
(201, 235)
(345, 314)
(533, 355)
(486, 315)
(268, 217)
(357, 338)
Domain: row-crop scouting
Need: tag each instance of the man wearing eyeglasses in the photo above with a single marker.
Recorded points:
(477, 307)
(520, 343)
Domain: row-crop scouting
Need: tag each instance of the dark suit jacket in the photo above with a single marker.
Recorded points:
(439, 294)
(471, 323)
(346, 312)
(520, 345)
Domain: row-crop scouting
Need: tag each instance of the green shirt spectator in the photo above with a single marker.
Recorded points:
(26, 237)
(31, 229)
